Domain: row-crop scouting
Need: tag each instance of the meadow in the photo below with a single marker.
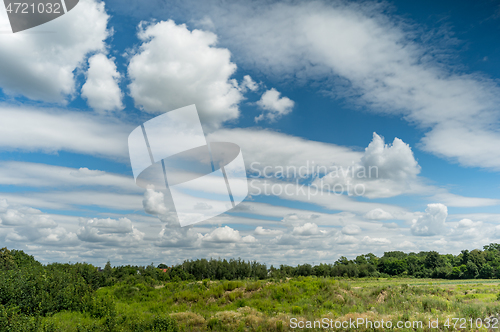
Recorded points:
(365, 294)
(271, 304)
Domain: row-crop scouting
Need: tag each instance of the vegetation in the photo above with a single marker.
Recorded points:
(235, 295)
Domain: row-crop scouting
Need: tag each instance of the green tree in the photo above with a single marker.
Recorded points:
(477, 257)
(464, 257)
(433, 260)
(486, 271)
(472, 270)
(361, 259)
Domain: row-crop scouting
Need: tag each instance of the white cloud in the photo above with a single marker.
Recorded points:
(109, 231)
(56, 237)
(307, 229)
(42, 175)
(84, 172)
(249, 84)
(11, 216)
(285, 240)
(262, 231)
(275, 105)
(406, 245)
(53, 130)
(65, 200)
(41, 66)
(29, 225)
(154, 202)
(223, 235)
(341, 238)
(450, 199)
(109, 226)
(376, 241)
(101, 88)
(384, 170)
(351, 229)
(378, 214)
(467, 223)
(26, 217)
(178, 237)
(432, 222)
(176, 67)
(249, 239)
(395, 162)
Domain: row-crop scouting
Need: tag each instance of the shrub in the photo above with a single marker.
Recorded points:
(164, 324)
(252, 286)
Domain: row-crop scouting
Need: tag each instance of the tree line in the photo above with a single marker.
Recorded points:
(484, 264)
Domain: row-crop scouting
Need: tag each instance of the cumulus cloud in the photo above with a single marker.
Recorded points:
(378, 214)
(84, 172)
(467, 223)
(307, 230)
(432, 222)
(274, 105)
(262, 231)
(154, 202)
(119, 232)
(395, 162)
(384, 170)
(223, 235)
(248, 239)
(176, 67)
(249, 84)
(52, 237)
(178, 237)
(31, 226)
(41, 66)
(351, 229)
(23, 216)
(101, 88)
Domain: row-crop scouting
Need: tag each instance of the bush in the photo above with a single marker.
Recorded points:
(164, 324)
(252, 286)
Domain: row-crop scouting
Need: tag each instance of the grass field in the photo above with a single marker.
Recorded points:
(279, 305)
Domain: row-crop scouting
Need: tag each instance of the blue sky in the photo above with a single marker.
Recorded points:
(290, 83)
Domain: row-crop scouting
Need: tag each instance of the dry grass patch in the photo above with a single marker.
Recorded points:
(381, 297)
(188, 318)
(230, 317)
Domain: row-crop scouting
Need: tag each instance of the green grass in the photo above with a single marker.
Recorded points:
(269, 305)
